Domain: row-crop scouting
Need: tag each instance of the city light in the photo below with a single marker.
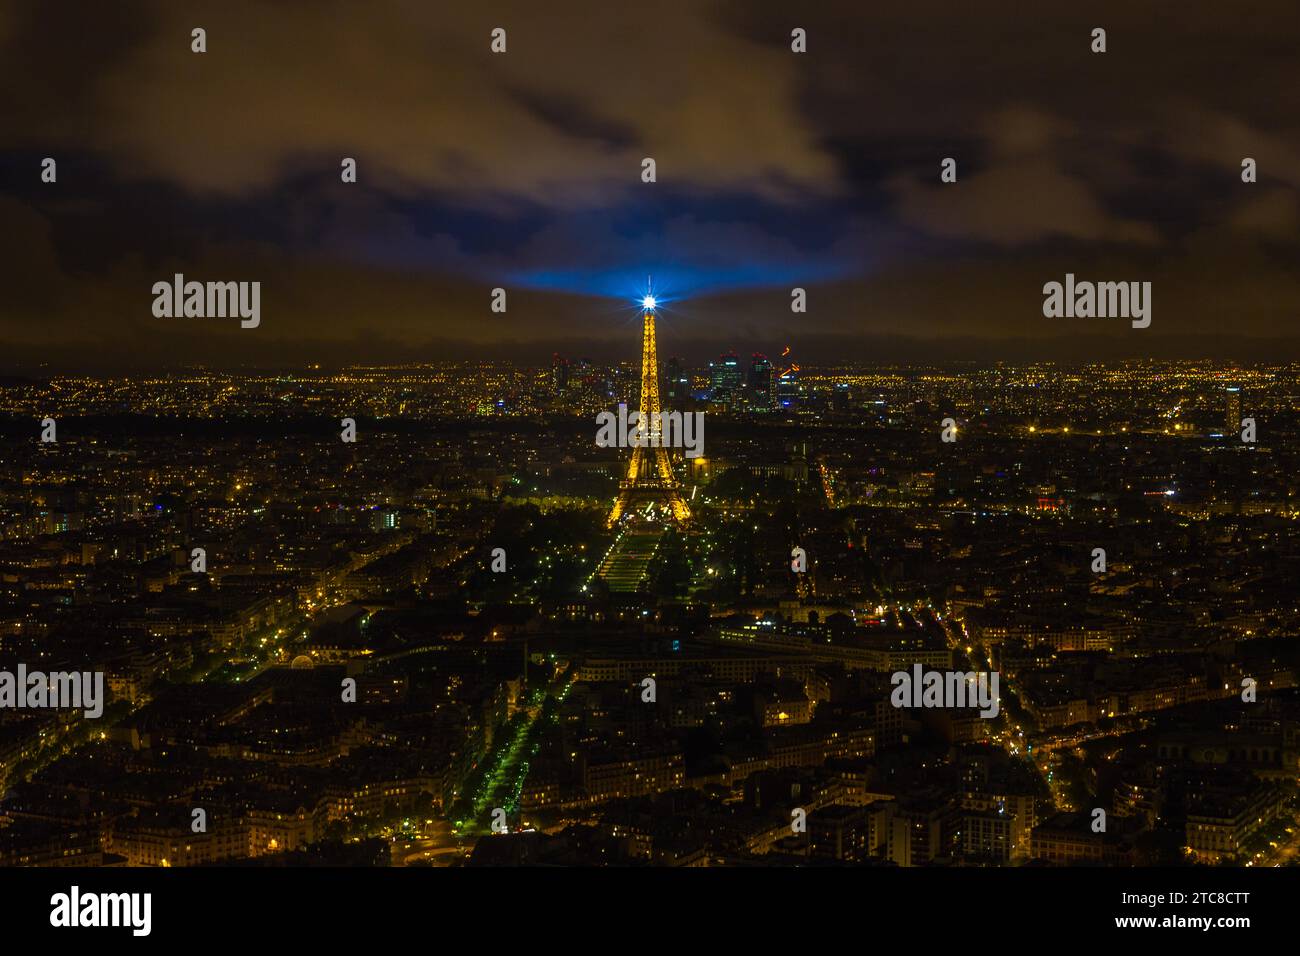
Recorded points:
(489, 604)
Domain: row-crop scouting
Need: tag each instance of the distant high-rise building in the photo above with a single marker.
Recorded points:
(559, 374)
(1232, 412)
(789, 393)
(622, 386)
(724, 378)
(788, 390)
(677, 386)
(761, 394)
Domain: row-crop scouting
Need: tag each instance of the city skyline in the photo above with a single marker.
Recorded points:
(315, 562)
(707, 434)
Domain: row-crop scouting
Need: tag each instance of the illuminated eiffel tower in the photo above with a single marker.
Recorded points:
(650, 480)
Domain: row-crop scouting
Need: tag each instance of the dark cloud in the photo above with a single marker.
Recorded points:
(522, 170)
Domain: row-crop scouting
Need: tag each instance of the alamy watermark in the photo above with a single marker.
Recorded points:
(1102, 300)
(208, 300)
(949, 689)
(23, 689)
(656, 430)
(76, 909)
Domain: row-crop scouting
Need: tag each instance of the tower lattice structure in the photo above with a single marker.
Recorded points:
(650, 472)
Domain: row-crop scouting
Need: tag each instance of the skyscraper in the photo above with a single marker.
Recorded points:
(788, 390)
(559, 374)
(762, 396)
(724, 379)
(677, 388)
(1232, 410)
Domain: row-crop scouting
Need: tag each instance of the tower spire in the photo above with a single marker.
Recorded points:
(646, 480)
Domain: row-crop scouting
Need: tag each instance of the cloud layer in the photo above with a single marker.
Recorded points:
(523, 170)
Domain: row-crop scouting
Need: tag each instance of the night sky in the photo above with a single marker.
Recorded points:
(522, 170)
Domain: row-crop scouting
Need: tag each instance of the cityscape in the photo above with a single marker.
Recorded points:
(467, 466)
(535, 681)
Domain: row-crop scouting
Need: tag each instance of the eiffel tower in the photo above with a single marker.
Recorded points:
(650, 479)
